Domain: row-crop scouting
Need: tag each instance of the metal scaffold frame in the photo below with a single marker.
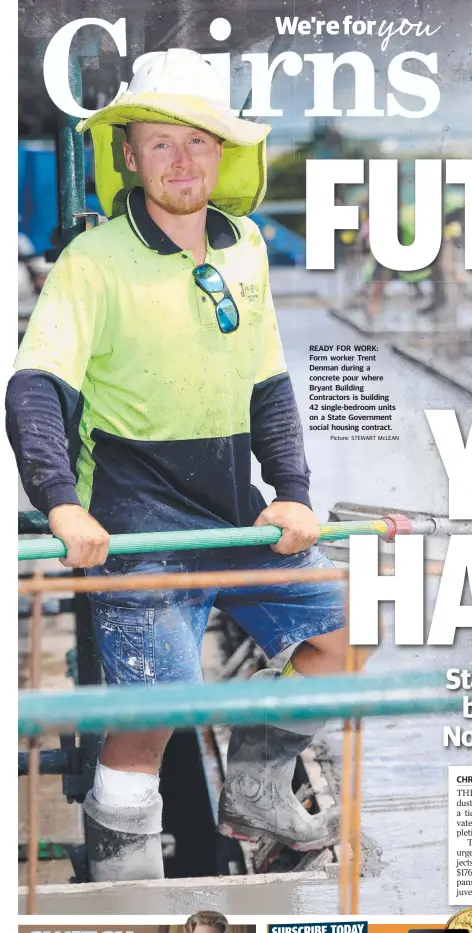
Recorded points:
(349, 697)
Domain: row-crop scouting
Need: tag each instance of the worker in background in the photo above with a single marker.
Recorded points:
(160, 325)
(444, 268)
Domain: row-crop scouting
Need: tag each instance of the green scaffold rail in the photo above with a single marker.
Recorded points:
(183, 706)
(196, 540)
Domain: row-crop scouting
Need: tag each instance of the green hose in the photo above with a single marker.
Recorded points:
(196, 540)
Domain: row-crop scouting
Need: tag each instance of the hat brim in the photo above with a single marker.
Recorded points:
(180, 110)
(242, 174)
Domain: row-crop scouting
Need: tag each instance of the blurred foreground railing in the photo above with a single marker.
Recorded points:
(179, 706)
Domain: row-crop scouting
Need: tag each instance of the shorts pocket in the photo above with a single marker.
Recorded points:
(132, 648)
(126, 643)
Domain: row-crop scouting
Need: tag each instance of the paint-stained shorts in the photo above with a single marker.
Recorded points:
(152, 636)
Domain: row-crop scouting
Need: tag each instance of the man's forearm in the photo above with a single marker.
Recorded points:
(38, 408)
(277, 439)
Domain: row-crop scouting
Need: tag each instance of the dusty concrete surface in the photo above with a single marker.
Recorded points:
(283, 894)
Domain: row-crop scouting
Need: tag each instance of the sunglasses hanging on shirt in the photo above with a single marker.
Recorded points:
(212, 282)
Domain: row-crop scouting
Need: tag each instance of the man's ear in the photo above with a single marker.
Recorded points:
(220, 150)
(130, 161)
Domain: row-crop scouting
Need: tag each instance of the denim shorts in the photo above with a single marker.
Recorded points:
(155, 636)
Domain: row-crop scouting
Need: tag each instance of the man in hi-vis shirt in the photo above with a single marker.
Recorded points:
(160, 325)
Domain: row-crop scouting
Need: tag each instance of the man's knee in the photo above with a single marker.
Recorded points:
(335, 644)
(331, 643)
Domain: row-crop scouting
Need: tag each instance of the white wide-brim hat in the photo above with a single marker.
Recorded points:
(179, 87)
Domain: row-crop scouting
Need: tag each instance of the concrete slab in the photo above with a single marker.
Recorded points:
(404, 323)
(458, 371)
(439, 342)
(292, 282)
(295, 893)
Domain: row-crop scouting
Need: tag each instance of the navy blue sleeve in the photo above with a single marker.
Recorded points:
(39, 407)
(277, 439)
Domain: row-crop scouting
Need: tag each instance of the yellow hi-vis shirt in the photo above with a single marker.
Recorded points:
(171, 405)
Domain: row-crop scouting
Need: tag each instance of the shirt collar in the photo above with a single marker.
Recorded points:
(221, 232)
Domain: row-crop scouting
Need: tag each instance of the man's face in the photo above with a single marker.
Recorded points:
(178, 164)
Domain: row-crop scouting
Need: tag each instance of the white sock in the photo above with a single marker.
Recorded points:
(124, 788)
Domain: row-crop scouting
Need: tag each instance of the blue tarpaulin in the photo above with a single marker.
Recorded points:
(37, 191)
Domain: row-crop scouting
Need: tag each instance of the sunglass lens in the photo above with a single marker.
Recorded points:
(227, 315)
(209, 278)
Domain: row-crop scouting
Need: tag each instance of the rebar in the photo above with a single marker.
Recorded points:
(213, 579)
(33, 756)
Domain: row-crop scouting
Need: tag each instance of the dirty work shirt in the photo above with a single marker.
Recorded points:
(170, 406)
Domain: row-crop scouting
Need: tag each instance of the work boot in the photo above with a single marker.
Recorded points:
(257, 798)
(438, 301)
(124, 843)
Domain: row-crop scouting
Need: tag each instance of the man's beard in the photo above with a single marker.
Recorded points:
(184, 201)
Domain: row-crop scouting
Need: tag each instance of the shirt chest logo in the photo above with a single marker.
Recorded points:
(249, 292)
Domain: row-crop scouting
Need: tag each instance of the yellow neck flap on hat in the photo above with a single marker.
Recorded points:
(242, 174)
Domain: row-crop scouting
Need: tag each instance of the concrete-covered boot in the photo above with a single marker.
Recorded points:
(438, 300)
(124, 843)
(257, 797)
